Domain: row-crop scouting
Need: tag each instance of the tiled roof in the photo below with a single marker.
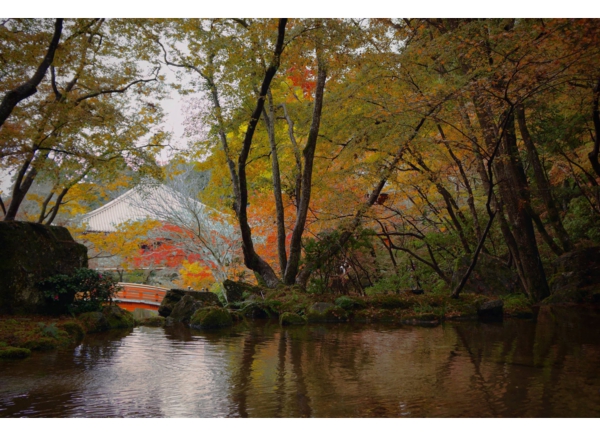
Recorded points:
(133, 205)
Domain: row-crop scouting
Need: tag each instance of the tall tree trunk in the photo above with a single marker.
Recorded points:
(29, 88)
(309, 155)
(541, 181)
(252, 260)
(515, 196)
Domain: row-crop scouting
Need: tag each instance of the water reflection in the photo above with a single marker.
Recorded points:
(512, 369)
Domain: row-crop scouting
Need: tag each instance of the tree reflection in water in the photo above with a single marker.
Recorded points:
(518, 368)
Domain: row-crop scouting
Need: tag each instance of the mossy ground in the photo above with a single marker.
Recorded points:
(426, 309)
(42, 333)
(291, 319)
(37, 333)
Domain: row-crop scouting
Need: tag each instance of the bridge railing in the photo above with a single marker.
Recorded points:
(141, 293)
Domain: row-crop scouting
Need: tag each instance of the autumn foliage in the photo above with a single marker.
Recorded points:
(355, 156)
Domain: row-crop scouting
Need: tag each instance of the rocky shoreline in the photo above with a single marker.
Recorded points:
(20, 335)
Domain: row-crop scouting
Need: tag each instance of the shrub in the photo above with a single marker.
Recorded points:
(86, 290)
(49, 330)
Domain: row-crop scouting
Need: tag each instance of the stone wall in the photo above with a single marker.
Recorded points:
(29, 253)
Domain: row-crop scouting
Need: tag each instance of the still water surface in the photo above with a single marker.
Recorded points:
(514, 369)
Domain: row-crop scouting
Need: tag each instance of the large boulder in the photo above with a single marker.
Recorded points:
(173, 296)
(291, 319)
(576, 277)
(490, 276)
(30, 253)
(111, 317)
(238, 291)
(184, 309)
(117, 317)
(210, 318)
(491, 310)
(93, 322)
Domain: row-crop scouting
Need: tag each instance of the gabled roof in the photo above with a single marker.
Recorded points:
(136, 204)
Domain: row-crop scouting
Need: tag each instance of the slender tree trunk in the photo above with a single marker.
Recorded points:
(541, 181)
(593, 155)
(22, 185)
(2, 206)
(471, 198)
(304, 274)
(29, 88)
(56, 206)
(451, 205)
(43, 214)
(280, 215)
(308, 154)
(297, 155)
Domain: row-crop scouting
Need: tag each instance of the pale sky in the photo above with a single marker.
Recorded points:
(173, 122)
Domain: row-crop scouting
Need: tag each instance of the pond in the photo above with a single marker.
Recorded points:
(518, 368)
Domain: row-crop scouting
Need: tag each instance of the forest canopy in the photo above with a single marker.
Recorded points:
(363, 154)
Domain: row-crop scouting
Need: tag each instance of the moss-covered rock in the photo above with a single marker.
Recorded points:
(517, 306)
(93, 322)
(14, 353)
(41, 344)
(236, 291)
(172, 297)
(194, 299)
(291, 319)
(255, 310)
(325, 312)
(493, 309)
(31, 253)
(74, 329)
(184, 309)
(117, 317)
(210, 318)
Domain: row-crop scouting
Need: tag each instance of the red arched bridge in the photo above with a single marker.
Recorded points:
(134, 296)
